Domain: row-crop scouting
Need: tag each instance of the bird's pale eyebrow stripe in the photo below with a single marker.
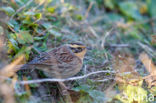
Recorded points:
(76, 43)
(72, 48)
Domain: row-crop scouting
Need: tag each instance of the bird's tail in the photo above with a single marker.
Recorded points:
(21, 67)
(10, 70)
(24, 69)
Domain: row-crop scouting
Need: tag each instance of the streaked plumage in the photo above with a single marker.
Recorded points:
(62, 62)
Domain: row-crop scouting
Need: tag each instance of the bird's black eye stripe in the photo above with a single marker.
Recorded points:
(77, 50)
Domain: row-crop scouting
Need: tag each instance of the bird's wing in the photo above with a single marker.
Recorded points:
(61, 55)
(43, 59)
(59, 62)
(67, 59)
(64, 55)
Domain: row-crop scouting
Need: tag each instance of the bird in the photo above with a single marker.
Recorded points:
(61, 62)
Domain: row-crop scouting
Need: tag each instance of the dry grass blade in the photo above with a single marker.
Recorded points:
(21, 8)
(9, 69)
(90, 6)
(7, 90)
(151, 68)
(103, 39)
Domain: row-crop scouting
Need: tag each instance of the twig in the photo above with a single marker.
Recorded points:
(105, 36)
(139, 22)
(103, 80)
(148, 76)
(41, 3)
(47, 29)
(62, 80)
(145, 21)
(11, 29)
(90, 6)
(118, 45)
(21, 8)
(93, 32)
(149, 50)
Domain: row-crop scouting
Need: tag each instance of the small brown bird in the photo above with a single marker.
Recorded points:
(62, 62)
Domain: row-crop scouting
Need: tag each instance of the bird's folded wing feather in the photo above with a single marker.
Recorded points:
(43, 59)
(60, 55)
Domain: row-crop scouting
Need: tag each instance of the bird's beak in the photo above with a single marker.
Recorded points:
(89, 48)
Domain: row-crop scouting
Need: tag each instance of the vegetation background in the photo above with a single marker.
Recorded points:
(121, 34)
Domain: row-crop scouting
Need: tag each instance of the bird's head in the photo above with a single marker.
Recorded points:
(78, 49)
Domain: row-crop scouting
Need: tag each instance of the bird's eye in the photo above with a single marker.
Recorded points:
(73, 49)
(79, 49)
(76, 50)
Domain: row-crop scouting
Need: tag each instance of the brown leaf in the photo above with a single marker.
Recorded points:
(124, 64)
(7, 92)
(153, 39)
(27, 88)
(75, 95)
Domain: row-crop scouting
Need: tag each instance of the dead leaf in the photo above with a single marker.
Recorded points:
(75, 95)
(7, 92)
(124, 64)
(151, 68)
(27, 87)
(153, 39)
